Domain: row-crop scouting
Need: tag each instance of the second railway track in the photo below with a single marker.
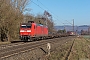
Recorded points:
(24, 47)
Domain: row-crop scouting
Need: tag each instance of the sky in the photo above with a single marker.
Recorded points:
(63, 11)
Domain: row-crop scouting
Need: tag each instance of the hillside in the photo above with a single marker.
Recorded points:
(70, 28)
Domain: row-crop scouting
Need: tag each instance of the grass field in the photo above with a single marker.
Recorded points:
(79, 51)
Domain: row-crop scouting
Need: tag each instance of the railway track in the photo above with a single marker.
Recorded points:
(69, 50)
(2, 47)
(17, 48)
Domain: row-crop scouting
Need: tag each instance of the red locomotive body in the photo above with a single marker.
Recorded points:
(71, 33)
(31, 29)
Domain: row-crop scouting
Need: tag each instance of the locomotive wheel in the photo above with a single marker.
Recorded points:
(26, 39)
(31, 39)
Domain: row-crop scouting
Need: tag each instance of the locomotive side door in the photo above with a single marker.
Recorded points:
(33, 30)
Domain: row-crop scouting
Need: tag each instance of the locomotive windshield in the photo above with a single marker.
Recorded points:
(26, 26)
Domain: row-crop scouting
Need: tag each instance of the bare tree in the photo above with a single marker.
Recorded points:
(28, 17)
(11, 15)
(10, 20)
(20, 4)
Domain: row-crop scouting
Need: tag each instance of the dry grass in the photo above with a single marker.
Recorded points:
(61, 52)
(1, 43)
(80, 50)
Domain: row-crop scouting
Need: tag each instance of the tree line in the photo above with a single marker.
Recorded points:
(11, 15)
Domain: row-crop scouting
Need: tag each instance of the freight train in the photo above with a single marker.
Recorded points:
(32, 30)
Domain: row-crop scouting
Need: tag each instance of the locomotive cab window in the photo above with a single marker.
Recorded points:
(26, 26)
(23, 26)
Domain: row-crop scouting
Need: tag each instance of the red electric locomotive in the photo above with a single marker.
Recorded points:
(32, 30)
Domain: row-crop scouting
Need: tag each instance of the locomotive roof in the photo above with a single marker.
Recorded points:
(26, 23)
(41, 25)
(36, 24)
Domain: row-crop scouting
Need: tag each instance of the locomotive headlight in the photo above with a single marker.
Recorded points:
(28, 30)
(21, 30)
